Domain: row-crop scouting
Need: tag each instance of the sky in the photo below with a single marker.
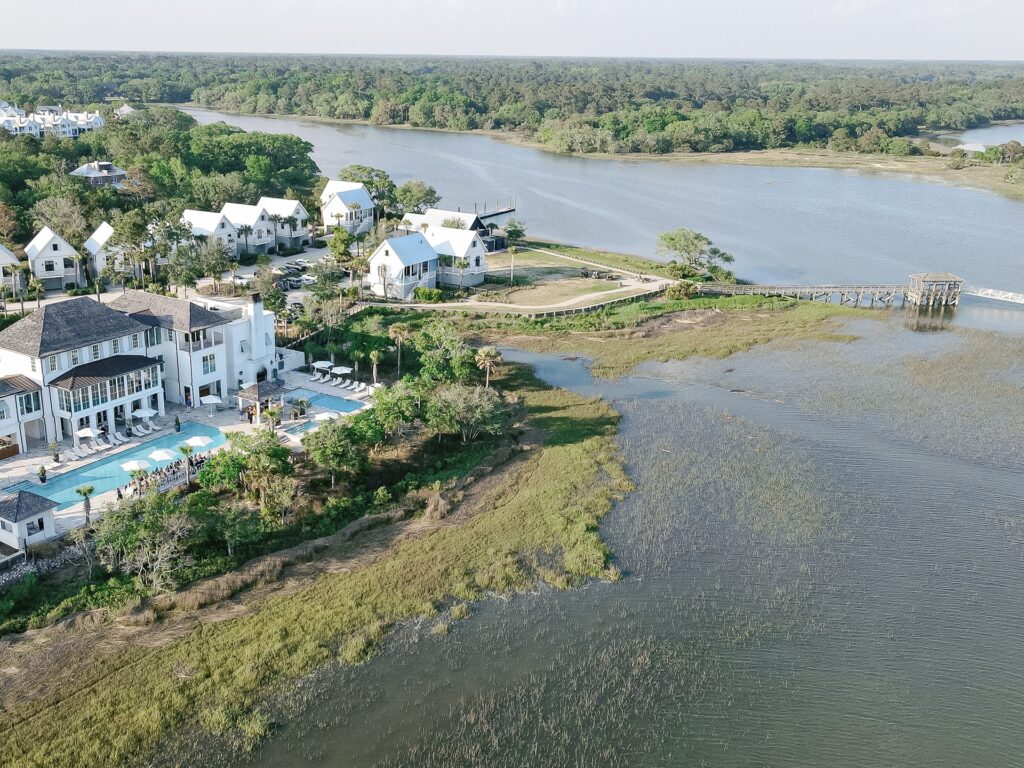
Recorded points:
(779, 29)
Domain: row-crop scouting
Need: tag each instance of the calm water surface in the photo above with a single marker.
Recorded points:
(804, 586)
(989, 136)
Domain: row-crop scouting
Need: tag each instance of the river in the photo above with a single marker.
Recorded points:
(824, 557)
(817, 572)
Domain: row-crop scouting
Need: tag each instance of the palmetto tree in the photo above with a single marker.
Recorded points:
(375, 358)
(35, 285)
(186, 451)
(292, 223)
(462, 265)
(398, 333)
(275, 220)
(85, 492)
(244, 231)
(487, 360)
(360, 265)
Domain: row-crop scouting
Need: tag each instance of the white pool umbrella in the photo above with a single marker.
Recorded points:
(135, 465)
(199, 441)
(88, 432)
(211, 400)
(322, 364)
(163, 455)
(143, 413)
(327, 416)
(340, 369)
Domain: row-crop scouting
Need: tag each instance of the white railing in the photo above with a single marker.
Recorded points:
(994, 293)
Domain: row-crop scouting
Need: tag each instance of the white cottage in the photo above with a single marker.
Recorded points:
(209, 224)
(461, 256)
(400, 265)
(347, 204)
(54, 261)
(292, 228)
(260, 237)
(26, 518)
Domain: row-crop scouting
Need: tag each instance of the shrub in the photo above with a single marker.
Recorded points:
(427, 295)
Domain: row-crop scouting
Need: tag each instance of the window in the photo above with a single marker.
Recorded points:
(245, 346)
(51, 363)
(29, 403)
(49, 266)
(209, 363)
(75, 357)
(96, 352)
(135, 341)
(115, 346)
(64, 400)
(69, 264)
(32, 364)
(35, 526)
(4, 525)
(55, 247)
(152, 337)
(3, 411)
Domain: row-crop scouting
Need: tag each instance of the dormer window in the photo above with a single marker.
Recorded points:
(51, 363)
(55, 247)
(75, 357)
(95, 351)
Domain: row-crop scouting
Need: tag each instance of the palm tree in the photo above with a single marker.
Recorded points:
(487, 360)
(85, 492)
(36, 286)
(357, 355)
(245, 230)
(273, 413)
(292, 223)
(375, 356)
(276, 220)
(187, 451)
(360, 265)
(398, 333)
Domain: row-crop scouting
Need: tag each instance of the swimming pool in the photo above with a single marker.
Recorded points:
(105, 474)
(321, 400)
(303, 428)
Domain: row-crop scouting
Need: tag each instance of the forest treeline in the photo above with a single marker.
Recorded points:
(584, 105)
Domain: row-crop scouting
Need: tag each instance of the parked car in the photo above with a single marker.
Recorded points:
(296, 266)
(281, 271)
(304, 263)
(297, 306)
(307, 280)
(242, 279)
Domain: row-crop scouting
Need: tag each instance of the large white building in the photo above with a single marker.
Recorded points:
(53, 121)
(79, 363)
(400, 265)
(347, 204)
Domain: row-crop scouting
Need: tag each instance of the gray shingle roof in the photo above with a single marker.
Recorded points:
(65, 325)
(24, 504)
(167, 312)
(100, 370)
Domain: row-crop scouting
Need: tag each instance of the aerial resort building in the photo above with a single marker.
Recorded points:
(346, 205)
(79, 364)
(47, 121)
(400, 265)
(100, 173)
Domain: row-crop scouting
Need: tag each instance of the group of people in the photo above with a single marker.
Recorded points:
(172, 474)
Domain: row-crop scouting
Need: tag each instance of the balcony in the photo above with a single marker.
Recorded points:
(206, 342)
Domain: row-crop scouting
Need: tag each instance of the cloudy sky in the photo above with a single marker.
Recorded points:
(867, 29)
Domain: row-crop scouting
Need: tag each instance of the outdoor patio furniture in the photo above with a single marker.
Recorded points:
(122, 438)
(359, 389)
(141, 428)
(338, 383)
(154, 427)
(99, 447)
(114, 438)
(77, 453)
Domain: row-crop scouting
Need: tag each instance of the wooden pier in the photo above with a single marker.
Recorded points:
(928, 289)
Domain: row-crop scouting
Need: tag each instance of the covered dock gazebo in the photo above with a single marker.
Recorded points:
(260, 394)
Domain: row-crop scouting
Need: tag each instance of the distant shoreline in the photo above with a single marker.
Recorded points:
(988, 178)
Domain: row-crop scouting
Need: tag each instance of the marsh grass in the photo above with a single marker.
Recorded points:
(121, 710)
(617, 352)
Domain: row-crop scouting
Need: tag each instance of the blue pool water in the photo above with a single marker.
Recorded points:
(105, 474)
(327, 402)
(299, 429)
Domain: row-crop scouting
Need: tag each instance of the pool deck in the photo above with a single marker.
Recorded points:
(25, 466)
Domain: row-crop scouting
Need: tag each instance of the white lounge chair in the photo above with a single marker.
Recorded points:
(154, 427)
(78, 453)
(315, 376)
(106, 442)
(88, 450)
(360, 389)
(141, 428)
(98, 446)
(122, 438)
(116, 438)
(337, 383)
